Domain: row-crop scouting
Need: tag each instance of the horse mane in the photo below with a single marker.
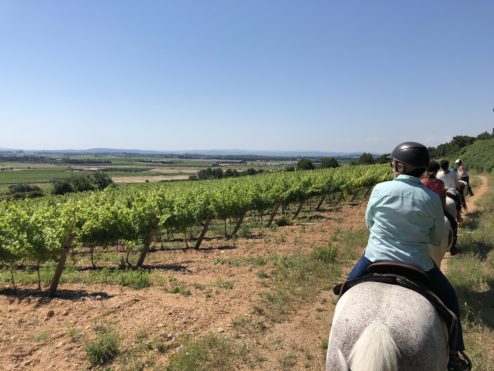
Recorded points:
(375, 350)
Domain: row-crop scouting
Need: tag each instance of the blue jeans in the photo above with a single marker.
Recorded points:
(441, 287)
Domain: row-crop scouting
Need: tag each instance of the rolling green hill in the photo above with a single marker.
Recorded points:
(479, 155)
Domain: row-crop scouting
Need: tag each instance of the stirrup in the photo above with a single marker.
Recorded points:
(459, 362)
(466, 358)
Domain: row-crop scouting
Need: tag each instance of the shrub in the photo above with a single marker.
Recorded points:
(283, 221)
(305, 164)
(18, 191)
(104, 348)
(329, 162)
(82, 183)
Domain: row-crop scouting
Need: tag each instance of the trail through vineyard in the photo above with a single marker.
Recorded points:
(472, 206)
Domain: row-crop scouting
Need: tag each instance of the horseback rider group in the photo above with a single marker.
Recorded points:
(404, 217)
(437, 186)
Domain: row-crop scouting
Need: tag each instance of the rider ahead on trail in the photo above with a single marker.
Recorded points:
(448, 176)
(462, 174)
(451, 184)
(403, 218)
(437, 186)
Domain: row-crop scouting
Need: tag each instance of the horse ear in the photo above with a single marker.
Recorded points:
(342, 365)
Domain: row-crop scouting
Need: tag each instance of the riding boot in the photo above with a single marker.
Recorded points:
(459, 361)
(453, 250)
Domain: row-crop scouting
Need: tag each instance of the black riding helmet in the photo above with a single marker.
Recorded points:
(412, 153)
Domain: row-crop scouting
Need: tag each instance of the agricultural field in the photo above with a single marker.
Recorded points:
(259, 299)
(122, 169)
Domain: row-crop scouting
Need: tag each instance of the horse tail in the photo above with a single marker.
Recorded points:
(375, 350)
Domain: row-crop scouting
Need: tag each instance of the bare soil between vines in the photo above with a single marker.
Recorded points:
(41, 333)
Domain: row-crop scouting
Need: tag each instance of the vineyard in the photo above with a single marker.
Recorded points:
(218, 289)
(37, 231)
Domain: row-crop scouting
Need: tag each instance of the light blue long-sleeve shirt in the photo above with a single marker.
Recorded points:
(403, 217)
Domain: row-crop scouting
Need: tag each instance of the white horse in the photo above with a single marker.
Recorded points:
(450, 202)
(451, 207)
(382, 327)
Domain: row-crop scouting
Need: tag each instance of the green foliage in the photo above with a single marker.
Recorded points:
(227, 285)
(366, 159)
(61, 187)
(479, 155)
(457, 145)
(179, 288)
(447, 149)
(209, 173)
(329, 162)
(20, 191)
(218, 173)
(136, 279)
(383, 159)
(326, 254)
(283, 221)
(104, 348)
(37, 230)
(324, 345)
(81, 183)
(305, 164)
(212, 352)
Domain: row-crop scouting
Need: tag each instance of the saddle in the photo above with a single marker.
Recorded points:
(410, 277)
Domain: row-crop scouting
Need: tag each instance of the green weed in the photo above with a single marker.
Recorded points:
(212, 352)
(104, 348)
(326, 254)
(227, 285)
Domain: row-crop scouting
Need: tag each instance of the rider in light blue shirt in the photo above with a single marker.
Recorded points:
(404, 217)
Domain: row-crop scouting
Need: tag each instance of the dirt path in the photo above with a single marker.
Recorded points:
(480, 191)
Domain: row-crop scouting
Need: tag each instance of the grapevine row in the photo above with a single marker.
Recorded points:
(43, 230)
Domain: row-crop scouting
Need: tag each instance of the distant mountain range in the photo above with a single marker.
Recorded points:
(209, 152)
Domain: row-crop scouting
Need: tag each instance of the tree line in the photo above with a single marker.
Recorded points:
(76, 183)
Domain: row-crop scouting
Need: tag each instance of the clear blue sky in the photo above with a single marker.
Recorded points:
(245, 74)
